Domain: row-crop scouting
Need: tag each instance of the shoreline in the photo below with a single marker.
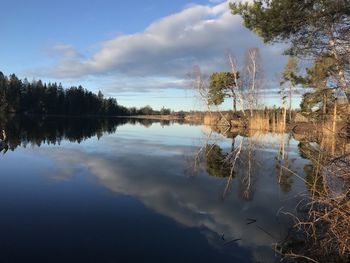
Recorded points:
(154, 117)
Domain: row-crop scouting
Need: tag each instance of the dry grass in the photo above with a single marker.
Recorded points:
(259, 122)
(264, 122)
(325, 230)
(329, 225)
(211, 119)
(322, 229)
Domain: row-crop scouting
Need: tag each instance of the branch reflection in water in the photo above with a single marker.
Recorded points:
(322, 219)
(242, 180)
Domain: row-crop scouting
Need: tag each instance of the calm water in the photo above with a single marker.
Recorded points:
(111, 191)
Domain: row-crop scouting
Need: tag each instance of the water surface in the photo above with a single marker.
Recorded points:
(84, 190)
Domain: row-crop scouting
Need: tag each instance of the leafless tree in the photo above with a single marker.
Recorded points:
(238, 87)
(252, 77)
(201, 86)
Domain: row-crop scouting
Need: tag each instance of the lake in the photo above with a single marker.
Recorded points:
(88, 190)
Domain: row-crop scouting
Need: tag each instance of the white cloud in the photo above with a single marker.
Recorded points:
(170, 47)
(65, 51)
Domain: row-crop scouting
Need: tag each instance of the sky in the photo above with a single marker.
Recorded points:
(140, 52)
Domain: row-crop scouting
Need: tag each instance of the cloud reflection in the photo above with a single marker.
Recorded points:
(154, 174)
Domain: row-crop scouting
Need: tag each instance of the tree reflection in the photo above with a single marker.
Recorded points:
(312, 170)
(216, 164)
(324, 153)
(322, 217)
(20, 131)
(149, 122)
(248, 165)
(284, 165)
(241, 162)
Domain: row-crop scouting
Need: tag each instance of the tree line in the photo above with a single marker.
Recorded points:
(148, 110)
(36, 97)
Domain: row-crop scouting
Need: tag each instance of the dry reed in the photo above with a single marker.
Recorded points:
(324, 224)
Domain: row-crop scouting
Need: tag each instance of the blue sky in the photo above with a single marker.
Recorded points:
(137, 51)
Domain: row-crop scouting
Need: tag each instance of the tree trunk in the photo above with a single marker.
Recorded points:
(284, 118)
(290, 102)
(335, 117)
(324, 107)
(341, 74)
(234, 103)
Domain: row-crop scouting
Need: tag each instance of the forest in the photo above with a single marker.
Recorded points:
(21, 96)
(17, 96)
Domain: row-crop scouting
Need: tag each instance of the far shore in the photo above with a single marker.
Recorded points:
(155, 117)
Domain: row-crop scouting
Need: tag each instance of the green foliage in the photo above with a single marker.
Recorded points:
(306, 23)
(147, 110)
(318, 75)
(273, 20)
(165, 111)
(221, 86)
(3, 95)
(311, 100)
(19, 96)
(318, 78)
(290, 71)
(314, 28)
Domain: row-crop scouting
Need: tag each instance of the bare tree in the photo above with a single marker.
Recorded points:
(201, 86)
(284, 96)
(238, 86)
(288, 76)
(252, 77)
